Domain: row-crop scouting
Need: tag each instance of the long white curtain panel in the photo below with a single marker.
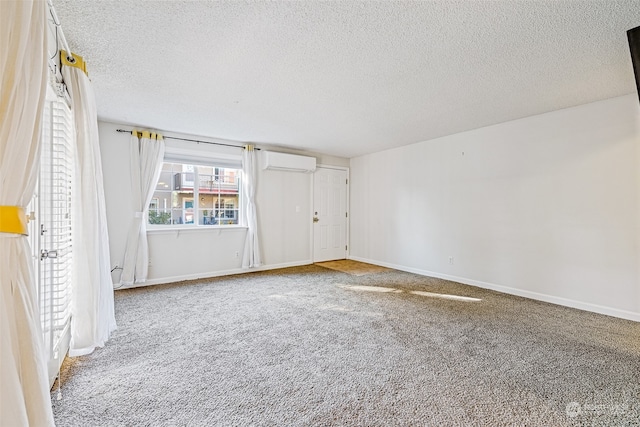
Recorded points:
(92, 307)
(24, 389)
(147, 153)
(251, 255)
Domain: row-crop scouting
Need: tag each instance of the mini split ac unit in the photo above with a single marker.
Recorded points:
(288, 162)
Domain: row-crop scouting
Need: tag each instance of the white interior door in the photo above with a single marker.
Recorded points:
(330, 214)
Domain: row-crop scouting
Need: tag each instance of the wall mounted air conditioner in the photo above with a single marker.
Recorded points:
(288, 162)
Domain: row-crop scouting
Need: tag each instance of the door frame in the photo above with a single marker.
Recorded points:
(311, 207)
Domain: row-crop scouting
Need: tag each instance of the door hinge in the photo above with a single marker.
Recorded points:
(345, 247)
(346, 214)
(346, 181)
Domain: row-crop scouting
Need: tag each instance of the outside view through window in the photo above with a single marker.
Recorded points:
(195, 195)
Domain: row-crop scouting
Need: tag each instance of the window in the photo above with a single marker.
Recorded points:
(50, 233)
(196, 195)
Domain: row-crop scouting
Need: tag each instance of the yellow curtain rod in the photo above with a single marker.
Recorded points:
(192, 140)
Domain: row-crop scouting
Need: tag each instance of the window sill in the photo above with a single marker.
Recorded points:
(194, 229)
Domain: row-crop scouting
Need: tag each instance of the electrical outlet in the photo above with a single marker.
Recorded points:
(451, 260)
(237, 254)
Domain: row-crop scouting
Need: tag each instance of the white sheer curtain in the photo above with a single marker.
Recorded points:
(92, 311)
(24, 388)
(147, 154)
(251, 255)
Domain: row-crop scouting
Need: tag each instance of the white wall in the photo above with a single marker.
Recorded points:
(283, 202)
(545, 207)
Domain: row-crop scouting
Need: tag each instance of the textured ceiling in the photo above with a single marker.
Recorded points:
(346, 78)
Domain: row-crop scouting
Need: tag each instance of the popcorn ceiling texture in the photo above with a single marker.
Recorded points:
(346, 78)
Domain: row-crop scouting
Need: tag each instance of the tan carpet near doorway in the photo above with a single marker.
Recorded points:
(355, 268)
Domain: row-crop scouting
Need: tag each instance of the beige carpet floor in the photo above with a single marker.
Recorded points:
(311, 346)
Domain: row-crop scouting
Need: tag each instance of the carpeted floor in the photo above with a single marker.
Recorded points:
(313, 346)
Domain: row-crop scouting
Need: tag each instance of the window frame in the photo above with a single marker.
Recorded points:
(217, 162)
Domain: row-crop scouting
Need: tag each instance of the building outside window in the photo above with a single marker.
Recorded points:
(196, 195)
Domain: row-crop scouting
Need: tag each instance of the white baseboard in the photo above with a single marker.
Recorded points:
(595, 308)
(207, 275)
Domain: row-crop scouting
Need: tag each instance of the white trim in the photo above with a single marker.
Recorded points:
(595, 308)
(212, 274)
(342, 168)
(54, 364)
(187, 228)
(348, 220)
(312, 187)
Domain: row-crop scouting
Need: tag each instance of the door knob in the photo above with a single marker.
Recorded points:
(316, 219)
